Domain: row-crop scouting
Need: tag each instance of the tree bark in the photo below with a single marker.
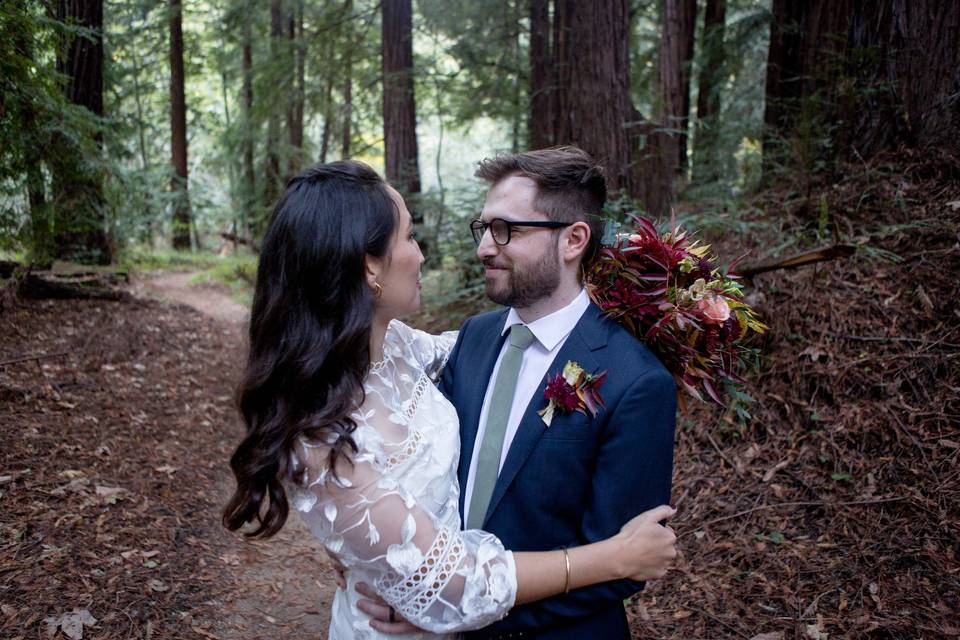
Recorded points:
(297, 98)
(689, 21)
(249, 177)
(889, 70)
(594, 100)
(916, 46)
(675, 54)
(347, 81)
(590, 100)
(178, 129)
(277, 45)
(541, 126)
(80, 221)
(399, 106)
(33, 158)
(709, 84)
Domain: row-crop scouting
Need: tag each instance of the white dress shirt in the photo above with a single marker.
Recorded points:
(551, 332)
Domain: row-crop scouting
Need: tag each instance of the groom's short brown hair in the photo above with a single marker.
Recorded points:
(570, 185)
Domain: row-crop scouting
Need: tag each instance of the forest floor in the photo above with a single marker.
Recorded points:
(117, 422)
(833, 513)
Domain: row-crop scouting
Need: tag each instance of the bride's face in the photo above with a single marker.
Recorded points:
(399, 272)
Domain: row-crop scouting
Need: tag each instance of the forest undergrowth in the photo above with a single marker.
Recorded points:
(833, 512)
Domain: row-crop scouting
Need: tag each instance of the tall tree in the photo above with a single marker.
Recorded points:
(347, 87)
(249, 176)
(709, 85)
(399, 105)
(178, 129)
(887, 70)
(80, 223)
(22, 35)
(588, 56)
(273, 176)
(297, 99)
(592, 61)
(541, 125)
(675, 55)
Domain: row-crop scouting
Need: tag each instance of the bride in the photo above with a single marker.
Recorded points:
(345, 424)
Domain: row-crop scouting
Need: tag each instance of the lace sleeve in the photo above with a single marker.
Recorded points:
(440, 579)
(429, 351)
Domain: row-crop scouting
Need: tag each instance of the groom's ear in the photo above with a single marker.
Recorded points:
(575, 241)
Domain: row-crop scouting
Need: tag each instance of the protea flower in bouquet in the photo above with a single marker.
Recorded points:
(666, 290)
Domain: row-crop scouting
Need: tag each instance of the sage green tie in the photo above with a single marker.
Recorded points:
(498, 413)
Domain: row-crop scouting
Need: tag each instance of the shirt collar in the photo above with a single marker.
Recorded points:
(551, 329)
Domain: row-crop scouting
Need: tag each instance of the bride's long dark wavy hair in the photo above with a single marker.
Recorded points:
(309, 331)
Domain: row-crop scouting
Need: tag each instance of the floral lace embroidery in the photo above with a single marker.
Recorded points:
(392, 517)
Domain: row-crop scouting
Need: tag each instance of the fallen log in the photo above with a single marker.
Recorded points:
(62, 282)
(232, 237)
(800, 260)
(38, 286)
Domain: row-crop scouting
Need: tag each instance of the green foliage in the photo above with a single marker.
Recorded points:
(237, 272)
(480, 60)
(145, 259)
(48, 145)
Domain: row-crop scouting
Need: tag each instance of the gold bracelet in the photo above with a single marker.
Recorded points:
(566, 581)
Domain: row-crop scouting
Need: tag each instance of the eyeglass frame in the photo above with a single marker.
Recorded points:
(541, 224)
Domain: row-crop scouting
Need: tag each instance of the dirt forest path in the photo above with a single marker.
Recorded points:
(284, 586)
(117, 424)
(176, 287)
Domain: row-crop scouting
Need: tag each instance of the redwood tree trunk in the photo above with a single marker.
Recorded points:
(399, 108)
(689, 23)
(249, 177)
(297, 97)
(178, 129)
(675, 54)
(918, 46)
(593, 70)
(541, 126)
(347, 81)
(80, 223)
(277, 45)
(899, 62)
(709, 84)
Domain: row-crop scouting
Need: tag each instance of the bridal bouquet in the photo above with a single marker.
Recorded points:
(665, 290)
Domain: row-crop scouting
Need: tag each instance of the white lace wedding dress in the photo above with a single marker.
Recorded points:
(392, 518)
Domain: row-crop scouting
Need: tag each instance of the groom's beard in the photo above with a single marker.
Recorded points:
(526, 285)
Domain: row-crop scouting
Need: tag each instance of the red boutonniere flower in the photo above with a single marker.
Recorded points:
(572, 390)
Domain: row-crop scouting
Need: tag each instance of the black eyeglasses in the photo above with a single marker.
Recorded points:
(500, 229)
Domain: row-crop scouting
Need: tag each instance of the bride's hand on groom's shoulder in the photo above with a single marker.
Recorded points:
(649, 547)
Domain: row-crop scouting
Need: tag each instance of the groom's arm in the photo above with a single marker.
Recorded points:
(633, 474)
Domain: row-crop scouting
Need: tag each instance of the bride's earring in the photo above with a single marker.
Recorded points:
(378, 291)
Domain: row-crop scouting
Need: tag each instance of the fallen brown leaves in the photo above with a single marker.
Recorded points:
(117, 423)
(113, 468)
(832, 514)
(835, 512)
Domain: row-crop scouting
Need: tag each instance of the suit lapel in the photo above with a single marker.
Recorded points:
(587, 336)
(484, 357)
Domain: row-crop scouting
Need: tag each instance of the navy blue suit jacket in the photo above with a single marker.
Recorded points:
(582, 478)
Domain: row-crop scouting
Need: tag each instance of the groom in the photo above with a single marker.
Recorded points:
(578, 480)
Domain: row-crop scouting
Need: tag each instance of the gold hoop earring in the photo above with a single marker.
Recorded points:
(378, 293)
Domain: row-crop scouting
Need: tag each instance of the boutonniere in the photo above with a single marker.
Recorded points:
(572, 390)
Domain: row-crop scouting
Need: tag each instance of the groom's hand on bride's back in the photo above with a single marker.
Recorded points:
(380, 612)
(339, 571)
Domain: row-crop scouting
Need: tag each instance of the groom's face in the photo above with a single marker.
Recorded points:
(526, 269)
